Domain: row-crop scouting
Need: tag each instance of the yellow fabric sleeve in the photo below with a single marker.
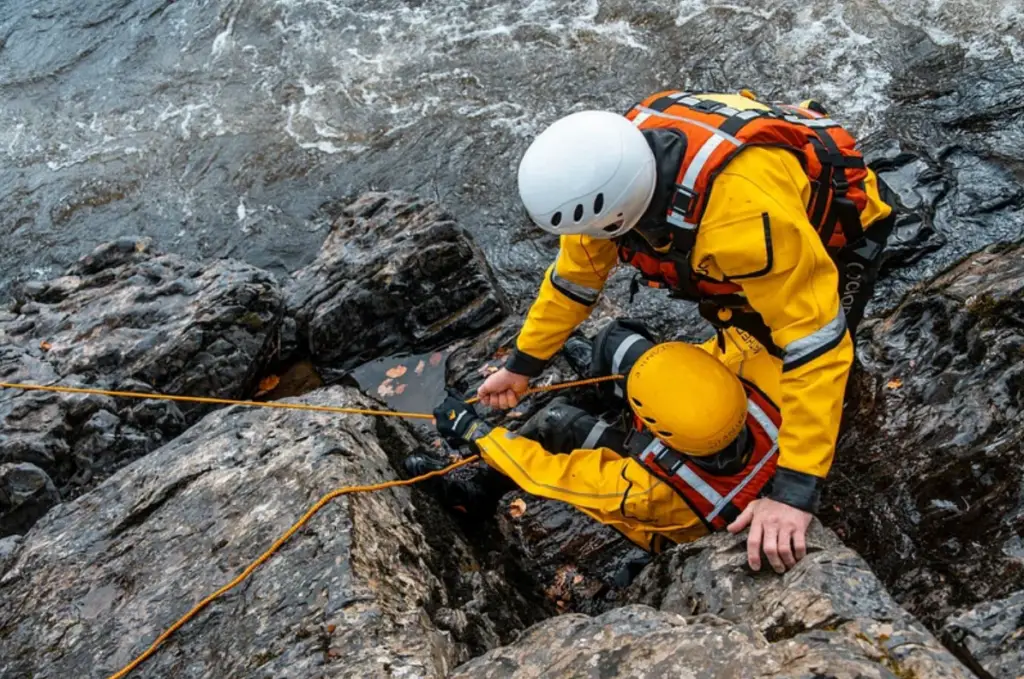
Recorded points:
(612, 489)
(570, 288)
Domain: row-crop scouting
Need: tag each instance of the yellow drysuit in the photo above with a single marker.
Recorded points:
(797, 297)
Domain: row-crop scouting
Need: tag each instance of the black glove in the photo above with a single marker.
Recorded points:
(456, 419)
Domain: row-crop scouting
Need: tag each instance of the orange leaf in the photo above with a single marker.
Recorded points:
(895, 383)
(45, 346)
(268, 383)
(385, 389)
(400, 388)
(419, 367)
(577, 579)
(330, 629)
(397, 371)
(435, 358)
(517, 508)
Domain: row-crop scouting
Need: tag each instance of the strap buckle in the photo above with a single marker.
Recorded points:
(682, 205)
(674, 459)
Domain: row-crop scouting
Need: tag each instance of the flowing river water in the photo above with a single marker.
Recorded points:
(232, 127)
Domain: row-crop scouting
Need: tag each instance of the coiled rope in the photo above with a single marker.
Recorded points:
(320, 504)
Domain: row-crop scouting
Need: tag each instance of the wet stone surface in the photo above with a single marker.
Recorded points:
(376, 585)
(698, 611)
(129, 318)
(928, 480)
(395, 274)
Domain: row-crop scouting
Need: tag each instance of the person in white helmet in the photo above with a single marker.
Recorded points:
(765, 215)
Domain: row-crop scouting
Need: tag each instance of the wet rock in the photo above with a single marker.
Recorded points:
(992, 634)
(365, 589)
(395, 274)
(928, 481)
(697, 610)
(8, 549)
(127, 318)
(575, 563)
(953, 158)
(26, 493)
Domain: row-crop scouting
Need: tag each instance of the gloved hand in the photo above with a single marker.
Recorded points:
(455, 419)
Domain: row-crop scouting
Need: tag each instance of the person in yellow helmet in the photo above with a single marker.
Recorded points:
(764, 215)
(702, 451)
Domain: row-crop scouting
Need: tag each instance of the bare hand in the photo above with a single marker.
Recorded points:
(503, 389)
(778, 528)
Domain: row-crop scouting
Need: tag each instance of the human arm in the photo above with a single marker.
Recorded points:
(570, 289)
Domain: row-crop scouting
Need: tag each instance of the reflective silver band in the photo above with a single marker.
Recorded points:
(594, 435)
(702, 487)
(813, 122)
(762, 419)
(575, 291)
(700, 160)
(620, 353)
(743, 484)
(769, 427)
(455, 424)
(799, 351)
(649, 457)
(709, 128)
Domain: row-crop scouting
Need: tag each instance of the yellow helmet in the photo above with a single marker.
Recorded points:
(687, 398)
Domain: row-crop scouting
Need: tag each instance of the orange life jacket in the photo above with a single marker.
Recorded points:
(715, 133)
(718, 500)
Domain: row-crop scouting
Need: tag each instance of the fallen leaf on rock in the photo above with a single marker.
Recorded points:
(502, 352)
(400, 388)
(385, 388)
(419, 367)
(397, 371)
(45, 346)
(895, 383)
(330, 629)
(517, 508)
(577, 579)
(435, 358)
(333, 653)
(268, 383)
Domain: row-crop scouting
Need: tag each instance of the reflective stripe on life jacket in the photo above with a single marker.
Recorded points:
(715, 133)
(719, 500)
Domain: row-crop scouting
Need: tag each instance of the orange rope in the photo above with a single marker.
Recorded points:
(270, 552)
(278, 404)
(314, 509)
(218, 401)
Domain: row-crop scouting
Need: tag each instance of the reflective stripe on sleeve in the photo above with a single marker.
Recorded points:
(804, 350)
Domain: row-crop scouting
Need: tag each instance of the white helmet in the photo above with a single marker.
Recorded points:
(591, 172)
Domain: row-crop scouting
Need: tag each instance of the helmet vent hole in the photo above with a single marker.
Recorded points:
(650, 420)
(556, 219)
(637, 403)
(666, 434)
(577, 214)
(612, 228)
(598, 203)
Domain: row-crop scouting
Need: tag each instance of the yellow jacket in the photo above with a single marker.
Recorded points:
(617, 490)
(797, 298)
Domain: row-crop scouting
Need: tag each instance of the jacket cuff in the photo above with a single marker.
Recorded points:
(523, 364)
(796, 489)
